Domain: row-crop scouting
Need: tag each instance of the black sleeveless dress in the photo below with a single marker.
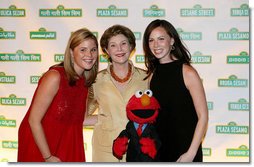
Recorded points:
(177, 118)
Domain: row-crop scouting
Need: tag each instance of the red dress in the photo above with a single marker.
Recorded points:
(62, 125)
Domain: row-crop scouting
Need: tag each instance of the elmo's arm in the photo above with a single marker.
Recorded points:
(150, 144)
(120, 144)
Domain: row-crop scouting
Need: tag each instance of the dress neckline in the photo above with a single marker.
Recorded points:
(172, 62)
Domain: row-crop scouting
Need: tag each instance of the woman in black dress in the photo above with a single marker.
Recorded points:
(183, 118)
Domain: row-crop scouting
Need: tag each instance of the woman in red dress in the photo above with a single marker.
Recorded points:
(52, 129)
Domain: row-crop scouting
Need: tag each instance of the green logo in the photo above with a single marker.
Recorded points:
(59, 57)
(210, 105)
(207, 151)
(241, 105)
(140, 59)
(103, 58)
(243, 58)
(232, 81)
(137, 35)
(95, 33)
(34, 79)
(12, 12)
(242, 11)
(7, 79)
(154, 11)
(233, 34)
(9, 144)
(12, 100)
(20, 56)
(112, 11)
(232, 128)
(60, 11)
(198, 58)
(42, 34)
(7, 34)
(7, 122)
(242, 151)
(189, 35)
(197, 11)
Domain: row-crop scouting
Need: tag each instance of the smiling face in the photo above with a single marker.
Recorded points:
(160, 44)
(84, 55)
(119, 49)
(142, 107)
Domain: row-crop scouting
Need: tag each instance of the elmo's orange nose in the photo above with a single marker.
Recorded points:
(145, 100)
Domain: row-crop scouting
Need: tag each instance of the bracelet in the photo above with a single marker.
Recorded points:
(48, 157)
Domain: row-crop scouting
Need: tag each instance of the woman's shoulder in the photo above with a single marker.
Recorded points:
(57, 68)
(102, 73)
(189, 70)
(51, 75)
(190, 74)
(140, 70)
(140, 75)
(102, 76)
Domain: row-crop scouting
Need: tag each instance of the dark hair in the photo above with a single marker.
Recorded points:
(180, 52)
(116, 30)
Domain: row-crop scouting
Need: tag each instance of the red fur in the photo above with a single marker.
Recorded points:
(135, 104)
(148, 147)
(120, 146)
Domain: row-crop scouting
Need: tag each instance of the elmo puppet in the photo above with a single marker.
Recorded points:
(139, 139)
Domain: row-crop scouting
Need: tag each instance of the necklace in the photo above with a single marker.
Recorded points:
(119, 79)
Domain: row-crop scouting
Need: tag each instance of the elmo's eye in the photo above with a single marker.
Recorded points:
(149, 93)
(139, 93)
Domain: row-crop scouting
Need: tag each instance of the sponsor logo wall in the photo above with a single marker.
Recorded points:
(34, 34)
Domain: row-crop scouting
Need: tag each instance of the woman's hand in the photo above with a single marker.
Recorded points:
(186, 157)
(53, 159)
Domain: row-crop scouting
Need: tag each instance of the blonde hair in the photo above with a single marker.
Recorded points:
(76, 39)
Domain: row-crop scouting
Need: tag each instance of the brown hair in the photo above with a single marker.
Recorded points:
(116, 30)
(180, 52)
